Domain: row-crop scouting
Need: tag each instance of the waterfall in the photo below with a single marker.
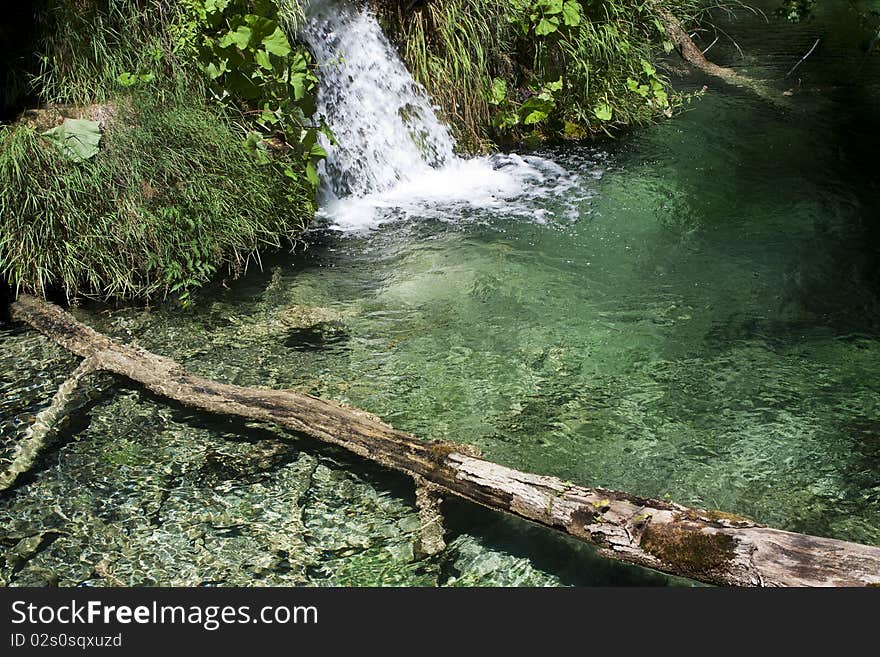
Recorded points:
(383, 120)
(394, 158)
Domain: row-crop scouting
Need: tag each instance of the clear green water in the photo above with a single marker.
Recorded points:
(707, 330)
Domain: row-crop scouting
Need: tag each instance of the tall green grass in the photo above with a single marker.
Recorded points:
(456, 48)
(169, 199)
(173, 197)
(86, 45)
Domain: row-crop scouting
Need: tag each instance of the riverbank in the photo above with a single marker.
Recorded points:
(203, 146)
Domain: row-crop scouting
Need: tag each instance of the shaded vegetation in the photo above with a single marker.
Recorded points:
(867, 13)
(159, 207)
(508, 70)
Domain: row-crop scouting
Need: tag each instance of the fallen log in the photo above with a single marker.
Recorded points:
(689, 51)
(708, 546)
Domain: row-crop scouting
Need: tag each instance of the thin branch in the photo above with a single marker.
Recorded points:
(803, 59)
(28, 450)
(710, 45)
(430, 540)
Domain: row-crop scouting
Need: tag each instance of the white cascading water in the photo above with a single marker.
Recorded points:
(394, 158)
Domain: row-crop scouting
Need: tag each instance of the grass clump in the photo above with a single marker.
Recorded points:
(170, 197)
(513, 70)
(206, 151)
(86, 49)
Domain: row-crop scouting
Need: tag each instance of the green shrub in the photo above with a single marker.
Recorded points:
(511, 70)
(207, 155)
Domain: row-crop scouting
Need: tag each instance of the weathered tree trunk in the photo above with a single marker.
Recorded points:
(689, 50)
(708, 546)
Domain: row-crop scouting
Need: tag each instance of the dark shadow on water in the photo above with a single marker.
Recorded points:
(320, 336)
(573, 562)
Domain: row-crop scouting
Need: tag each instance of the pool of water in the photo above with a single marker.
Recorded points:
(695, 318)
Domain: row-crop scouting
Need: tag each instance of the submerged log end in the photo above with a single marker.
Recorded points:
(46, 423)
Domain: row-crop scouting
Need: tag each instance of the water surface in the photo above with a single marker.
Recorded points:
(696, 317)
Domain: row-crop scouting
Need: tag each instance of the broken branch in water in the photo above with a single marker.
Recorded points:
(45, 424)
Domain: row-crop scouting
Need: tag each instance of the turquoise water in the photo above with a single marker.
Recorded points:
(704, 327)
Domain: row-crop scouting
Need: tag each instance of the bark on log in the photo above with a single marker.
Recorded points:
(709, 546)
(689, 51)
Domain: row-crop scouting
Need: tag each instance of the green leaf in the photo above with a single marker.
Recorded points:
(327, 132)
(505, 120)
(498, 92)
(298, 84)
(126, 79)
(256, 148)
(277, 43)
(78, 139)
(649, 70)
(535, 110)
(312, 174)
(266, 8)
(640, 89)
(261, 27)
(546, 26)
(550, 6)
(213, 70)
(262, 59)
(241, 37)
(535, 116)
(212, 6)
(571, 13)
(603, 111)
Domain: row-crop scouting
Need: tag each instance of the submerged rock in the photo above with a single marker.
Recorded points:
(278, 322)
(299, 316)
